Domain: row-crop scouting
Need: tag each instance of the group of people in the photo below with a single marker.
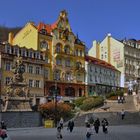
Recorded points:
(60, 127)
(121, 99)
(96, 125)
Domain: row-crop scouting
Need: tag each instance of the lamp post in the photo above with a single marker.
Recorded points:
(55, 101)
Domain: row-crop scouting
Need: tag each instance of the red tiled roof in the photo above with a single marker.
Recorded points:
(99, 62)
(47, 27)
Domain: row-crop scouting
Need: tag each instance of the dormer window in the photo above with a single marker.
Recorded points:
(43, 31)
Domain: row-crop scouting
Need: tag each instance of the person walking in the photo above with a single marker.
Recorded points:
(122, 114)
(3, 125)
(88, 132)
(105, 125)
(97, 125)
(118, 99)
(86, 121)
(59, 134)
(61, 122)
(71, 125)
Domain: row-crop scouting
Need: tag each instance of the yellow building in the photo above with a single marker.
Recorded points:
(64, 54)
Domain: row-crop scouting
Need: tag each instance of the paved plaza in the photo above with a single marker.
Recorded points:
(127, 132)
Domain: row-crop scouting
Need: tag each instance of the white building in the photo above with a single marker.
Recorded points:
(101, 77)
(124, 55)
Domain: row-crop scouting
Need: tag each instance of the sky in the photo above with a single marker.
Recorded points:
(90, 19)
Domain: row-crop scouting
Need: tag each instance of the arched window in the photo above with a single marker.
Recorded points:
(58, 48)
(54, 90)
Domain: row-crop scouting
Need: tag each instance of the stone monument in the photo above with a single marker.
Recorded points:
(16, 96)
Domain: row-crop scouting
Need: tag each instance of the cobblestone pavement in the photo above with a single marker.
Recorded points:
(127, 132)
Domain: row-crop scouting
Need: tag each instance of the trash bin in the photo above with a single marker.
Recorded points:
(49, 123)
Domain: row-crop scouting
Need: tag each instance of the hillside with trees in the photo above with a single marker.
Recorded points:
(4, 31)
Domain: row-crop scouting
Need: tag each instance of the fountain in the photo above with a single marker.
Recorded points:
(16, 97)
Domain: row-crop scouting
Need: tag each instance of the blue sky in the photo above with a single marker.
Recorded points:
(91, 19)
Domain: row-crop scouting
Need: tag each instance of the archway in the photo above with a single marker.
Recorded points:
(53, 90)
(70, 91)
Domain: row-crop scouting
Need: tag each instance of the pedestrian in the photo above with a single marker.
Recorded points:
(61, 122)
(86, 121)
(122, 99)
(88, 132)
(71, 125)
(97, 125)
(3, 125)
(118, 99)
(91, 120)
(105, 125)
(122, 114)
(59, 134)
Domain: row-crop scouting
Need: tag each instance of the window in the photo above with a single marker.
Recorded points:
(90, 77)
(67, 50)
(8, 66)
(57, 75)
(30, 83)
(58, 48)
(80, 52)
(30, 54)
(58, 61)
(67, 63)
(37, 83)
(76, 52)
(8, 49)
(90, 68)
(16, 51)
(23, 52)
(7, 80)
(46, 74)
(46, 59)
(30, 69)
(67, 76)
(37, 70)
(37, 55)
(44, 45)
(102, 56)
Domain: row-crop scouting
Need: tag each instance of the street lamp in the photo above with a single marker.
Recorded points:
(55, 100)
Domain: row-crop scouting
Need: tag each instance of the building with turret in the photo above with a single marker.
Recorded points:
(64, 55)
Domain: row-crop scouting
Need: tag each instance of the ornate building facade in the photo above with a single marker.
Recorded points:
(64, 55)
(34, 68)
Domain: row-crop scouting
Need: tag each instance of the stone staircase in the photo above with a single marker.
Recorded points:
(113, 114)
